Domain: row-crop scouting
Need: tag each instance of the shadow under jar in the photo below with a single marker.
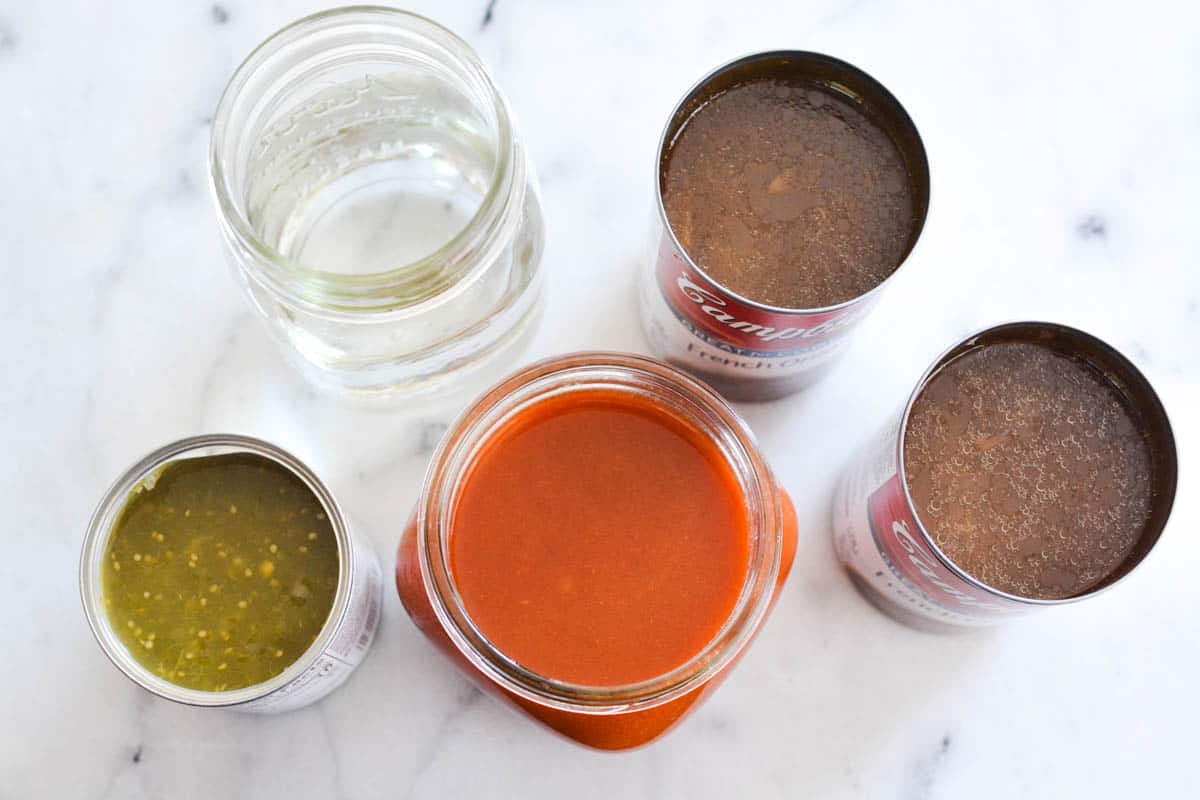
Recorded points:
(376, 202)
(597, 541)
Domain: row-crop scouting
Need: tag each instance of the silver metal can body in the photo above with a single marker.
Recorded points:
(892, 558)
(746, 349)
(342, 642)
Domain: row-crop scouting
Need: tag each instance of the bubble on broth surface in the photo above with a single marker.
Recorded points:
(1028, 469)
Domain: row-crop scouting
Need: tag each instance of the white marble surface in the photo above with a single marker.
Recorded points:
(1063, 141)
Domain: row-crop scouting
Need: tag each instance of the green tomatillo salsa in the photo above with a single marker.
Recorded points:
(220, 571)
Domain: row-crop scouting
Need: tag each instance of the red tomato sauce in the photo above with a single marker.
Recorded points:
(599, 539)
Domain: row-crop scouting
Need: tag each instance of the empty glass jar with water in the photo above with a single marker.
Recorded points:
(377, 202)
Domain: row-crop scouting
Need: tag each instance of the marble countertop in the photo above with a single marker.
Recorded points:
(1063, 145)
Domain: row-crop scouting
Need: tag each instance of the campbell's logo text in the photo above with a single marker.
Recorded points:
(724, 313)
(892, 526)
(934, 572)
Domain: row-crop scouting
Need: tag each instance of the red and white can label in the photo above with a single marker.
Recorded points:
(697, 321)
(876, 535)
(903, 549)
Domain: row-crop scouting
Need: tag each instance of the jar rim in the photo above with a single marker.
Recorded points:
(396, 288)
(575, 372)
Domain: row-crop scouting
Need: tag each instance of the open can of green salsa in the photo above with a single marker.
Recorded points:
(219, 571)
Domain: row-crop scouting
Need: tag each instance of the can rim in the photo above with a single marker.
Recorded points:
(100, 529)
(763, 55)
(1152, 404)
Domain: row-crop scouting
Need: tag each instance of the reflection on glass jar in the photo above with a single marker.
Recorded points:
(377, 204)
(597, 542)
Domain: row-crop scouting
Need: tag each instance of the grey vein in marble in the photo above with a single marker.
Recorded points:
(1092, 226)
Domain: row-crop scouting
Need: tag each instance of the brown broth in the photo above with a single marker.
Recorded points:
(788, 194)
(1029, 469)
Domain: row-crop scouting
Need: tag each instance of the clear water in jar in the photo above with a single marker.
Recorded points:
(371, 175)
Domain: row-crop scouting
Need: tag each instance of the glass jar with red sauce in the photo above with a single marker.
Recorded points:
(597, 541)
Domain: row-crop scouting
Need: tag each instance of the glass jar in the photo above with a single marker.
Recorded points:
(377, 205)
(603, 717)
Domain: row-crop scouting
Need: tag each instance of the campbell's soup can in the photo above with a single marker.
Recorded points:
(751, 350)
(891, 556)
